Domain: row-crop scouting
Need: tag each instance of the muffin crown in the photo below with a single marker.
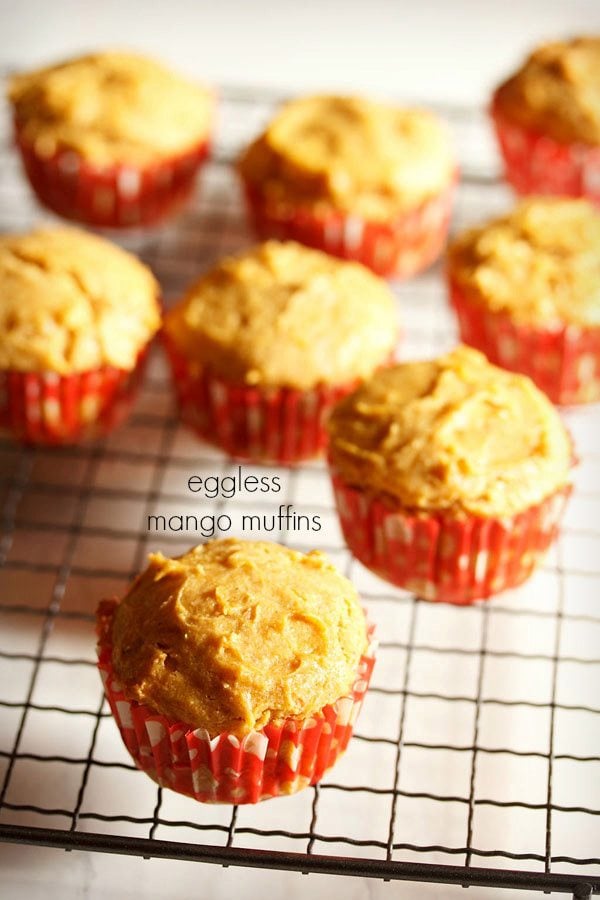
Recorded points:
(236, 634)
(351, 154)
(452, 434)
(557, 91)
(284, 315)
(540, 263)
(110, 108)
(71, 302)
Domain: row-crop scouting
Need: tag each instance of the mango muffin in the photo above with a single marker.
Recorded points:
(264, 344)
(547, 120)
(361, 180)
(111, 139)
(526, 288)
(236, 671)
(76, 317)
(450, 475)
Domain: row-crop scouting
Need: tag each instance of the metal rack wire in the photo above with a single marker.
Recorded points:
(478, 751)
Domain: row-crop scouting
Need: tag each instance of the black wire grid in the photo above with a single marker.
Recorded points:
(476, 759)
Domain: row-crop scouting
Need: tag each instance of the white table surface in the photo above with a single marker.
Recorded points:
(451, 51)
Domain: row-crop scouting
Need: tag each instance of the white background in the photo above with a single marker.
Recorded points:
(428, 50)
(449, 49)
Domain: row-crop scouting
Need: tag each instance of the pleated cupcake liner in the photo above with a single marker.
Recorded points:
(113, 196)
(445, 558)
(563, 362)
(277, 760)
(537, 164)
(279, 425)
(50, 409)
(399, 248)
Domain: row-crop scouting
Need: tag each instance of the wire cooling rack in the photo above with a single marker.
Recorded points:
(477, 757)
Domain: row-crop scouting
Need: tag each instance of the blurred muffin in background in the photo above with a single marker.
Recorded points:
(76, 317)
(264, 344)
(526, 289)
(450, 475)
(547, 120)
(361, 180)
(111, 139)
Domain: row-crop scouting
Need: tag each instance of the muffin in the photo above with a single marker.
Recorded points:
(547, 120)
(111, 139)
(361, 180)
(76, 317)
(236, 671)
(526, 288)
(264, 344)
(450, 475)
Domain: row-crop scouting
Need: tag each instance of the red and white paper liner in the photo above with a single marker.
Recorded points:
(117, 196)
(563, 362)
(261, 424)
(277, 760)
(537, 164)
(401, 248)
(444, 558)
(51, 409)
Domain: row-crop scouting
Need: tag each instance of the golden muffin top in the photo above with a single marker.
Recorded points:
(350, 154)
(235, 634)
(557, 91)
(284, 315)
(110, 108)
(451, 434)
(540, 263)
(71, 301)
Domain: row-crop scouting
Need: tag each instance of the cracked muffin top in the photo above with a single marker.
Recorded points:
(453, 434)
(557, 91)
(284, 315)
(350, 154)
(540, 263)
(235, 634)
(71, 301)
(110, 107)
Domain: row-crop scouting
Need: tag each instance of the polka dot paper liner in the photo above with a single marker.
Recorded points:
(50, 409)
(564, 362)
(116, 196)
(537, 164)
(280, 425)
(445, 558)
(279, 759)
(399, 248)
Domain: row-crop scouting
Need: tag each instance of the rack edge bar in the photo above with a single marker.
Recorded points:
(578, 885)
